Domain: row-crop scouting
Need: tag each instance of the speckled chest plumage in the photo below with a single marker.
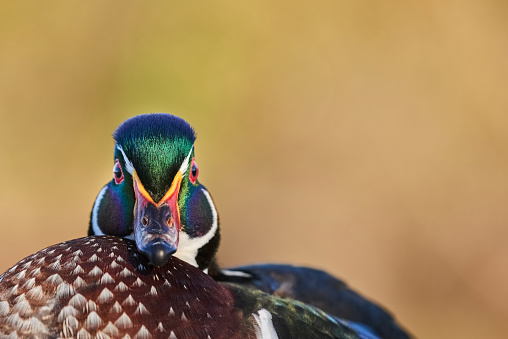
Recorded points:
(100, 287)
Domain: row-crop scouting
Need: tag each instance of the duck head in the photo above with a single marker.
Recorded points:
(154, 196)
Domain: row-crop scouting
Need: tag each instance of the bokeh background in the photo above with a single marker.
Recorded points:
(367, 138)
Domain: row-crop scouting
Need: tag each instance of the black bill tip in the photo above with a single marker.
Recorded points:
(158, 253)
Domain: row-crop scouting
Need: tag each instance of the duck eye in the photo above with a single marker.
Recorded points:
(193, 175)
(117, 172)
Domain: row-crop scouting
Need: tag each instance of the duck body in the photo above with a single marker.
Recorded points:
(319, 289)
(103, 287)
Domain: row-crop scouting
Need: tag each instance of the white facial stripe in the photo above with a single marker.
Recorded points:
(188, 247)
(185, 163)
(264, 328)
(95, 212)
(130, 167)
(128, 164)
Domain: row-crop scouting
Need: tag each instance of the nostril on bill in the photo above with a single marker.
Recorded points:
(145, 220)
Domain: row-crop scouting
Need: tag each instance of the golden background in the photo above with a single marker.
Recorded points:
(367, 138)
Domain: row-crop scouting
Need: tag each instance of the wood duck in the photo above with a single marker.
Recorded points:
(103, 287)
(148, 269)
(156, 199)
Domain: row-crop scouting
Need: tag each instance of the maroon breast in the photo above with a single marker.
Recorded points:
(100, 287)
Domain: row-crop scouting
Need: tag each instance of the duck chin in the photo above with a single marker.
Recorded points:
(199, 252)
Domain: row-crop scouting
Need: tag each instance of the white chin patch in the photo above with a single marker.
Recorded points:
(188, 247)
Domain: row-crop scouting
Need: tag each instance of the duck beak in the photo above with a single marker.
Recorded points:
(157, 225)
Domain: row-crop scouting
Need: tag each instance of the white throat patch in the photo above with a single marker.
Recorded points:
(188, 247)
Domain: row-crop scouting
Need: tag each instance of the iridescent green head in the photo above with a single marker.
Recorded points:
(155, 197)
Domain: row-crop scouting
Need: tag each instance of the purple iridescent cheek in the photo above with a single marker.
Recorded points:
(197, 217)
(115, 216)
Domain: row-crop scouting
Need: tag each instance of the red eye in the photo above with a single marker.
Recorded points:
(117, 172)
(193, 175)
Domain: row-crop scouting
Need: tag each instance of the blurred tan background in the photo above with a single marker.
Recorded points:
(366, 138)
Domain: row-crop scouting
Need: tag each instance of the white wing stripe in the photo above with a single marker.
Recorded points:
(264, 328)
